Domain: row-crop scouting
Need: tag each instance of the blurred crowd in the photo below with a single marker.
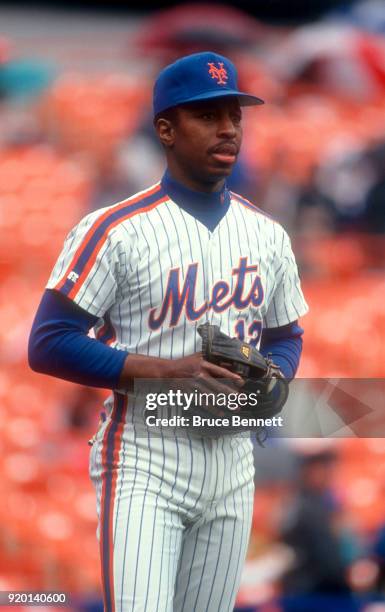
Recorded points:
(318, 531)
(313, 157)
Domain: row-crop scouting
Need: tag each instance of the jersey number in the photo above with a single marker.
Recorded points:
(254, 332)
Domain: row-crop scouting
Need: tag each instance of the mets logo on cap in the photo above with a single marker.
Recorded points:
(218, 72)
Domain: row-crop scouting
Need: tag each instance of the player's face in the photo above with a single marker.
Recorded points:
(206, 138)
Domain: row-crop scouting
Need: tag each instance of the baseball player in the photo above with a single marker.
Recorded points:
(174, 511)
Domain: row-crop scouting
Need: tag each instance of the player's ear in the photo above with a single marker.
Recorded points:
(165, 130)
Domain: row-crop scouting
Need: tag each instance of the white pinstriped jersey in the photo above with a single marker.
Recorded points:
(173, 510)
(152, 273)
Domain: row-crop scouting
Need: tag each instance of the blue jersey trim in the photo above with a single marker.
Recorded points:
(102, 231)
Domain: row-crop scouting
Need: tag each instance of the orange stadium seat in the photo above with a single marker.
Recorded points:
(42, 195)
(93, 114)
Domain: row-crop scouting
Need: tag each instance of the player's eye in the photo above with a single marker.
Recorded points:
(207, 116)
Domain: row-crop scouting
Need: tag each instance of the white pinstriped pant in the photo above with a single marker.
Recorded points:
(174, 519)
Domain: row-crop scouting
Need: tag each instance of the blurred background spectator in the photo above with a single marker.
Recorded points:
(310, 529)
(76, 133)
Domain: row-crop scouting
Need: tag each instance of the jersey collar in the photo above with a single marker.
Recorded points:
(208, 208)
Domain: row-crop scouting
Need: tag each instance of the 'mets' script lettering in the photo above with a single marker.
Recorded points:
(177, 300)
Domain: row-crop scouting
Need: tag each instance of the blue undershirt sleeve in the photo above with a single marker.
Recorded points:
(59, 345)
(285, 347)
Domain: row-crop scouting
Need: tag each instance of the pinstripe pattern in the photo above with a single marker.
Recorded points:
(167, 237)
(186, 524)
(174, 513)
(86, 254)
(110, 460)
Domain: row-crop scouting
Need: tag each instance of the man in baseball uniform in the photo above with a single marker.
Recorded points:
(174, 511)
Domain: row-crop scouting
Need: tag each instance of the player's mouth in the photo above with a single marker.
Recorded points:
(225, 153)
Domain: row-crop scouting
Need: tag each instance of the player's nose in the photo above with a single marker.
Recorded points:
(226, 126)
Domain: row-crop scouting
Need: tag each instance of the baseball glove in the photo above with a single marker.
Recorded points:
(262, 377)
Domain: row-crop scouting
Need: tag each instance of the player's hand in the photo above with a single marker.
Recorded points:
(204, 376)
(193, 368)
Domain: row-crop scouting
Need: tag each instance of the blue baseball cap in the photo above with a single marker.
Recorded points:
(200, 76)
